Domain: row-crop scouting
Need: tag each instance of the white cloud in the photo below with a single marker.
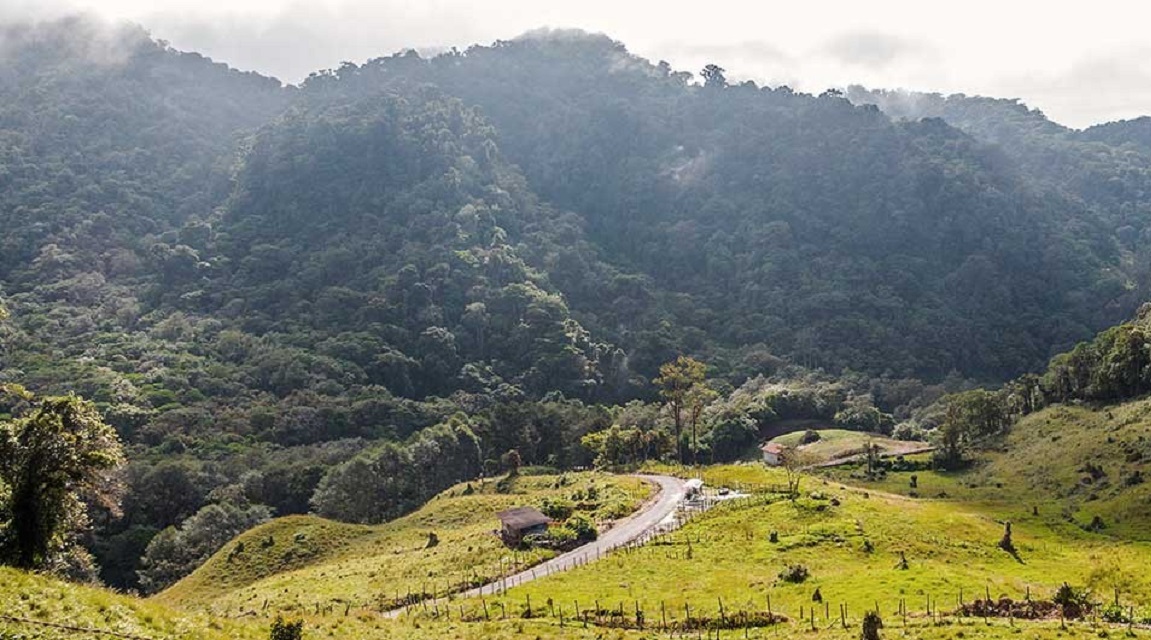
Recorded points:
(874, 49)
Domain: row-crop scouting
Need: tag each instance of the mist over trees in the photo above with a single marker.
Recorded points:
(393, 275)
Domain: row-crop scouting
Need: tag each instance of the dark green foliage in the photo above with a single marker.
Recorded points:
(176, 552)
(581, 527)
(557, 509)
(1075, 603)
(869, 628)
(971, 418)
(794, 573)
(1114, 366)
(281, 630)
(392, 479)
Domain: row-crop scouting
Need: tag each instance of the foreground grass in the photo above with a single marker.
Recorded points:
(305, 564)
(28, 599)
(28, 596)
(37, 598)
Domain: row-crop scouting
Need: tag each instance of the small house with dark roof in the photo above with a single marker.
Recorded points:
(773, 453)
(521, 521)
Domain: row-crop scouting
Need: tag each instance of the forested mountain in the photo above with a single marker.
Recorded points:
(822, 231)
(1105, 169)
(1134, 134)
(255, 282)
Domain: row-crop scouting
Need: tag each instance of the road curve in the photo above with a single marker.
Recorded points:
(635, 526)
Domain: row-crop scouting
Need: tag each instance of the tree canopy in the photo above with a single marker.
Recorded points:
(57, 456)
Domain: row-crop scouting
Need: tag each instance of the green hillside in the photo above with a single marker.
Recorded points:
(293, 564)
(851, 541)
(1072, 463)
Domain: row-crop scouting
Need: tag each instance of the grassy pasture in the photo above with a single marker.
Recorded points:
(853, 553)
(1067, 463)
(307, 564)
(840, 443)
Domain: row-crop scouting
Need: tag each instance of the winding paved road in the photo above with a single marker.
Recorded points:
(630, 529)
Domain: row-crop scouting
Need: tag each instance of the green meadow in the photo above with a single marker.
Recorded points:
(305, 564)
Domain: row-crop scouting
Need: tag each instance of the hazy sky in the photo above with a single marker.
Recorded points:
(1080, 63)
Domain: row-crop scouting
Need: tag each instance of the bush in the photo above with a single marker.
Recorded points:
(907, 431)
(794, 573)
(287, 630)
(1115, 614)
(557, 538)
(557, 508)
(810, 436)
(871, 626)
(582, 527)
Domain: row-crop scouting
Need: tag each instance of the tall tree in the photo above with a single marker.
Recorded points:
(57, 457)
(712, 75)
(676, 381)
(699, 396)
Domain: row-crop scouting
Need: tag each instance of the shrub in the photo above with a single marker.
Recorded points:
(582, 527)
(557, 508)
(287, 630)
(1075, 602)
(871, 626)
(810, 436)
(794, 573)
(557, 538)
(1115, 614)
(907, 431)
